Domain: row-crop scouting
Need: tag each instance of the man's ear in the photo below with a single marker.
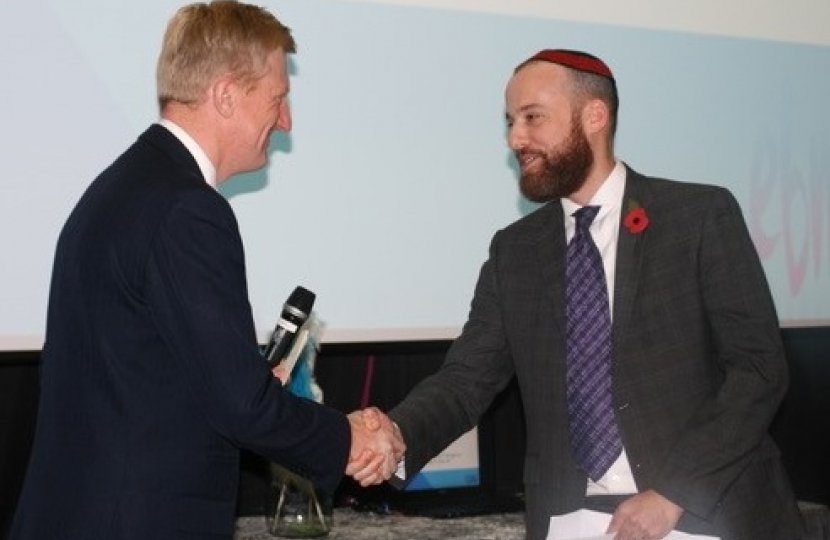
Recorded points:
(595, 116)
(223, 95)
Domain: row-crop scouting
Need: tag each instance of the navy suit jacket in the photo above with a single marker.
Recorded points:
(699, 368)
(152, 378)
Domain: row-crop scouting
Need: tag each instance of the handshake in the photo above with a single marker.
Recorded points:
(377, 443)
(377, 447)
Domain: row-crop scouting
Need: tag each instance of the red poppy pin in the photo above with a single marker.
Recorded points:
(636, 220)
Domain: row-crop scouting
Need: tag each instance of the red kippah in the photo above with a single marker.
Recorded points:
(574, 59)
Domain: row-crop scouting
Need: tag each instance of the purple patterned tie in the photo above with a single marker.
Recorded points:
(595, 436)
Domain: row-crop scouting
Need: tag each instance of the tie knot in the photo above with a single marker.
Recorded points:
(585, 216)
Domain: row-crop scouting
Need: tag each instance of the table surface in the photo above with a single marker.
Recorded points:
(351, 525)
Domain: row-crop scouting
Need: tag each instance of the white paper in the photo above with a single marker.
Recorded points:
(287, 363)
(590, 525)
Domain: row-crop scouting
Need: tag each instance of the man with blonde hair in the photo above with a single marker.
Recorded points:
(152, 378)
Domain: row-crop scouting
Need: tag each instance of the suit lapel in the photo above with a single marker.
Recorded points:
(630, 248)
(551, 250)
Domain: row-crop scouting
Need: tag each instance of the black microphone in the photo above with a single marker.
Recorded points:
(294, 314)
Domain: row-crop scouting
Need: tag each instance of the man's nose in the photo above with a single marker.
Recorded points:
(516, 138)
(284, 117)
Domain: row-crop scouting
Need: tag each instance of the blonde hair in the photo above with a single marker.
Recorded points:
(205, 40)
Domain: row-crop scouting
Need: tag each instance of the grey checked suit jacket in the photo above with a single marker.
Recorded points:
(699, 368)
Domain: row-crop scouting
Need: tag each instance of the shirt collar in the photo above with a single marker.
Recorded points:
(608, 196)
(202, 160)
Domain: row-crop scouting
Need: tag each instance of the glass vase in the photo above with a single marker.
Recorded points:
(296, 509)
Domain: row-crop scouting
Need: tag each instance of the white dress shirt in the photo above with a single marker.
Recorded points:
(202, 160)
(605, 231)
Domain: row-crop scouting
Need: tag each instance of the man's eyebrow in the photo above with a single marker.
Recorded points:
(523, 109)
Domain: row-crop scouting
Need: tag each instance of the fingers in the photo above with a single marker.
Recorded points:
(281, 373)
(398, 446)
(372, 473)
(366, 468)
(377, 447)
(374, 420)
(645, 516)
(372, 417)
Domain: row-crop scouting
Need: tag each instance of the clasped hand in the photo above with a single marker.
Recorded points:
(377, 447)
(377, 443)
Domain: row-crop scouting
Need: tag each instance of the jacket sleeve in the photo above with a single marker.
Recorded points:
(198, 293)
(477, 367)
(729, 428)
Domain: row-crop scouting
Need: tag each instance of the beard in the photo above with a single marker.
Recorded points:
(563, 170)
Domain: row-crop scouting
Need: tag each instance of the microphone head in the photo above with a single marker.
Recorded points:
(301, 300)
